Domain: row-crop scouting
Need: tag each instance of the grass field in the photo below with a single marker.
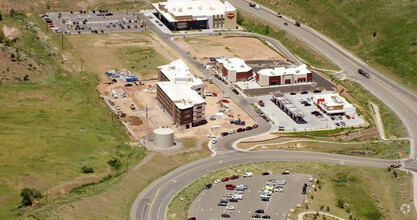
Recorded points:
(297, 47)
(377, 31)
(114, 198)
(381, 149)
(52, 127)
(363, 190)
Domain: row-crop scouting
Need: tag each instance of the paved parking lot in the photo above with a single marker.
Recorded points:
(100, 22)
(313, 123)
(205, 206)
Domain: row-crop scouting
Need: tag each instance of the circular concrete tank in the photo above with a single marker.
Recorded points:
(163, 138)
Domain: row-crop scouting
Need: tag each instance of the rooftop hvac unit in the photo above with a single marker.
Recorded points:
(190, 8)
(298, 71)
(241, 66)
(200, 8)
(180, 9)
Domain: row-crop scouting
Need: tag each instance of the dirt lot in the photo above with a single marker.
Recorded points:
(137, 52)
(227, 46)
(143, 96)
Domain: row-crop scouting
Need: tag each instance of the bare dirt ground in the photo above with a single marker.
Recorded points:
(10, 32)
(143, 96)
(227, 46)
(99, 53)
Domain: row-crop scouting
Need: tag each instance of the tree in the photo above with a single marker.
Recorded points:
(29, 195)
(340, 203)
(239, 18)
(267, 30)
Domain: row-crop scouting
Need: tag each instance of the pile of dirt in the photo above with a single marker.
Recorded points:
(135, 121)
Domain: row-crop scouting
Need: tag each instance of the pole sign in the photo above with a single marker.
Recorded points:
(230, 15)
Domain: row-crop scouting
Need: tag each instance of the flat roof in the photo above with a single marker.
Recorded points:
(235, 64)
(181, 94)
(198, 9)
(290, 106)
(280, 71)
(333, 100)
(178, 71)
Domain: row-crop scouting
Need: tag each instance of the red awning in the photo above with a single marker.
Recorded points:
(288, 80)
(309, 77)
(301, 79)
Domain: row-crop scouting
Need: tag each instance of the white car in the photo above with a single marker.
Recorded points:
(310, 179)
(249, 174)
(117, 108)
(232, 131)
(279, 190)
(217, 181)
(214, 141)
(211, 136)
(230, 208)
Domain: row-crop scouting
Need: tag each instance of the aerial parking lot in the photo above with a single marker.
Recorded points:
(314, 118)
(83, 22)
(249, 197)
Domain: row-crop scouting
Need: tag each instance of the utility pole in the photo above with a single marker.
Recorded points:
(62, 41)
(147, 125)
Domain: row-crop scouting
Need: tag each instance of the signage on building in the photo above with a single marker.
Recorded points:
(230, 15)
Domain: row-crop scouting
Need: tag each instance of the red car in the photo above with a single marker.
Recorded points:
(286, 173)
(192, 218)
(225, 100)
(255, 126)
(214, 94)
(261, 103)
(240, 129)
(347, 116)
(225, 179)
(234, 177)
(230, 187)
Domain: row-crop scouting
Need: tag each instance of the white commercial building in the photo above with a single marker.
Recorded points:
(235, 69)
(333, 104)
(196, 14)
(184, 105)
(283, 76)
(178, 71)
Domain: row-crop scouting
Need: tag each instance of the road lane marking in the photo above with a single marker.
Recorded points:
(260, 156)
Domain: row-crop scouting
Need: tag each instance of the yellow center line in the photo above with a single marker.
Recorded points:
(260, 156)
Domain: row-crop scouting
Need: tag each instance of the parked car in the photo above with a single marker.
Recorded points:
(285, 172)
(279, 15)
(234, 177)
(217, 181)
(211, 136)
(304, 92)
(249, 128)
(260, 211)
(240, 129)
(214, 141)
(256, 216)
(225, 134)
(233, 200)
(208, 186)
(266, 217)
(230, 208)
(192, 218)
(221, 203)
(261, 103)
(232, 131)
(249, 174)
(225, 100)
(265, 174)
(255, 126)
(225, 179)
(266, 199)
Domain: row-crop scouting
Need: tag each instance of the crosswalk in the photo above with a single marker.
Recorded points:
(224, 152)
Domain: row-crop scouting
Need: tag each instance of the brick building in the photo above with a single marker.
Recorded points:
(234, 69)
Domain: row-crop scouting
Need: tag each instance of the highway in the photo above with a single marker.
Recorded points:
(153, 201)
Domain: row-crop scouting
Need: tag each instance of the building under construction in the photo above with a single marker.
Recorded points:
(288, 107)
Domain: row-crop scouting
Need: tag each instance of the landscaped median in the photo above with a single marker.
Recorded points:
(344, 191)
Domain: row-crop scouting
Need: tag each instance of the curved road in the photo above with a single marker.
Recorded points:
(153, 201)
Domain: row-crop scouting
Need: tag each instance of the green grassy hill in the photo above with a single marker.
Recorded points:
(380, 32)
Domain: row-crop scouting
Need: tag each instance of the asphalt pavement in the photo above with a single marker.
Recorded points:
(153, 201)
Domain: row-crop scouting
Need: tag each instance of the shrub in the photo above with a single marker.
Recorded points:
(340, 203)
(321, 207)
(29, 195)
(86, 169)
(115, 163)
